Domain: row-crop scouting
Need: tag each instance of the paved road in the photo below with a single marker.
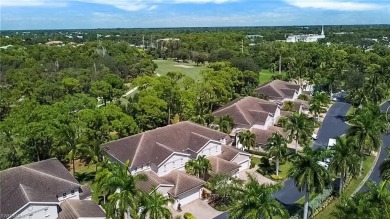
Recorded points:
(383, 155)
(332, 126)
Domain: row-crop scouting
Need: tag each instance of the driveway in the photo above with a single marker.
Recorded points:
(333, 125)
(199, 208)
(375, 175)
(260, 178)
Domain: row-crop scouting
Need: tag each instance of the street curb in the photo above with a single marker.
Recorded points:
(368, 174)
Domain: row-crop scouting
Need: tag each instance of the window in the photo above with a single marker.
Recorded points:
(64, 195)
(72, 192)
(216, 148)
(182, 161)
(30, 216)
(47, 212)
(165, 168)
(173, 164)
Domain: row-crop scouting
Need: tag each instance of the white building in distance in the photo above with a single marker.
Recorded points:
(306, 37)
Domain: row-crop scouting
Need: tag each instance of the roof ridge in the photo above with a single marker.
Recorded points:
(71, 207)
(246, 119)
(24, 192)
(164, 146)
(226, 107)
(136, 150)
(277, 90)
(195, 133)
(56, 177)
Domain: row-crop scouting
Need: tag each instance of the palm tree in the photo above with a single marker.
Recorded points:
(385, 168)
(288, 106)
(222, 186)
(247, 139)
(154, 206)
(345, 159)
(225, 124)
(299, 127)
(373, 203)
(123, 196)
(308, 175)
(256, 201)
(94, 154)
(277, 147)
(318, 104)
(198, 167)
(367, 125)
(74, 143)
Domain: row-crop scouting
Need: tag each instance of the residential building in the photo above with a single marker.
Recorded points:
(36, 190)
(254, 114)
(161, 154)
(280, 91)
(306, 37)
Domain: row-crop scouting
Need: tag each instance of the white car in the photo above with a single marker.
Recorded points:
(323, 164)
(314, 136)
(331, 142)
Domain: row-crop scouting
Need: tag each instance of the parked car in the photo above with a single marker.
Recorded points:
(331, 142)
(323, 164)
(314, 136)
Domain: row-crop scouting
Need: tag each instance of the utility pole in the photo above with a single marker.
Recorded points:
(242, 46)
(143, 42)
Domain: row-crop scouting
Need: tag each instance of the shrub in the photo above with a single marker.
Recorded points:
(188, 215)
(260, 153)
(303, 97)
(276, 177)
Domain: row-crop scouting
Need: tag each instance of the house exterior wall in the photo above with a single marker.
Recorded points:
(240, 158)
(174, 162)
(164, 190)
(268, 122)
(211, 149)
(188, 197)
(71, 194)
(38, 211)
(141, 169)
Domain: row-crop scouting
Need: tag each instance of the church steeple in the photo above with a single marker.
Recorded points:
(322, 30)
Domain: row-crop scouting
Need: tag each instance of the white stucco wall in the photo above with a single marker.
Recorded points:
(69, 194)
(164, 189)
(188, 197)
(277, 113)
(240, 158)
(211, 149)
(268, 122)
(140, 169)
(38, 211)
(174, 162)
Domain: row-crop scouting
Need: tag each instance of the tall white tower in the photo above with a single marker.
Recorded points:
(322, 30)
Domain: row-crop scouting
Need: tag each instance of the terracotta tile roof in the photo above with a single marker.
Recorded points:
(219, 165)
(247, 110)
(75, 209)
(183, 182)
(229, 152)
(154, 146)
(278, 89)
(39, 181)
(153, 181)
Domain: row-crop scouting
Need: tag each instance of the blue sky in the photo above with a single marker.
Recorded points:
(64, 14)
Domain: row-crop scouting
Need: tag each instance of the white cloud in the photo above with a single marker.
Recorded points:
(333, 5)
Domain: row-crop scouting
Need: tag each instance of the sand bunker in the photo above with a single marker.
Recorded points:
(184, 66)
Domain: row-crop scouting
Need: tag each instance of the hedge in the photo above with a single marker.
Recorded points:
(260, 153)
(188, 215)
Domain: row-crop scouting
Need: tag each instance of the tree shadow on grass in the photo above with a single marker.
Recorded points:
(85, 177)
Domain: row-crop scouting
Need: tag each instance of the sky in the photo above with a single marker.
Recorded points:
(89, 14)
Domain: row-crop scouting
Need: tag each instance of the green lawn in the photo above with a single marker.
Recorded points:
(350, 111)
(326, 213)
(189, 69)
(283, 169)
(85, 173)
(266, 75)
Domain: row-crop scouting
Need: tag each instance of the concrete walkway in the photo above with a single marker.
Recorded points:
(260, 178)
(199, 208)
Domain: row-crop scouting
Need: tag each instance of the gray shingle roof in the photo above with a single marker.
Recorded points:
(40, 181)
(229, 152)
(219, 165)
(74, 209)
(278, 89)
(154, 146)
(247, 110)
(183, 182)
(152, 182)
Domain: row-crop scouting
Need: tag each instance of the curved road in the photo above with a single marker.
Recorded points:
(332, 126)
(383, 154)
